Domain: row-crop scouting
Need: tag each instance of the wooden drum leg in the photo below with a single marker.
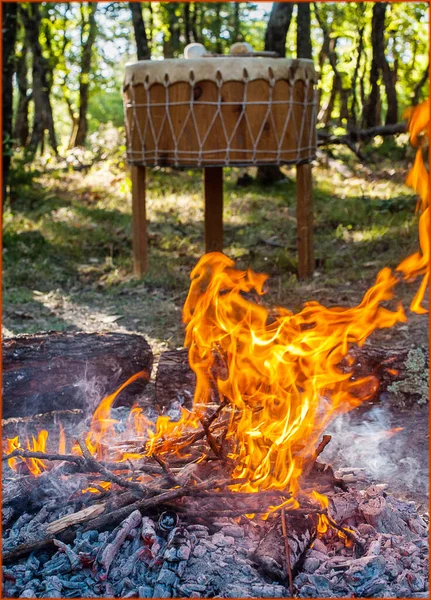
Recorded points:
(213, 184)
(304, 215)
(139, 218)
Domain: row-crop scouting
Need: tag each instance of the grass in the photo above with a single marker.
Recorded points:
(68, 253)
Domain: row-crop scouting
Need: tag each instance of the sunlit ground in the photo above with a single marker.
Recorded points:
(68, 256)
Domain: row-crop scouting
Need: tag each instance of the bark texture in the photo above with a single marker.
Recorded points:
(84, 79)
(275, 41)
(57, 371)
(21, 130)
(43, 118)
(9, 27)
(142, 46)
(303, 31)
(380, 66)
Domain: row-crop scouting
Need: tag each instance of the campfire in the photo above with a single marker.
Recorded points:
(228, 497)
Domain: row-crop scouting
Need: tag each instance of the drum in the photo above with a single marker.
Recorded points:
(220, 111)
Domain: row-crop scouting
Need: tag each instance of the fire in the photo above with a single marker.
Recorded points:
(36, 466)
(281, 370)
(278, 372)
(418, 178)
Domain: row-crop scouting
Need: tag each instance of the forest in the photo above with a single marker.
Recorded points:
(66, 187)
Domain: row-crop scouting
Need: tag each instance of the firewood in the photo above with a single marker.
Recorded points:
(270, 554)
(386, 364)
(108, 552)
(106, 473)
(175, 381)
(75, 518)
(49, 371)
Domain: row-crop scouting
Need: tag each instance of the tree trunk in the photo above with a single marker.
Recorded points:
(141, 38)
(389, 76)
(21, 131)
(278, 27)
(217, 27)
(9, 28)
(354, 104)
(43, 118)
(171, 45)
(187, 32)
(419, 86)
(275, 41)
(303, 32)
(328, 51)
(175, 379)
(380, 65)
(194, 22)
(56, 371)
(236, 35)
(84, 79)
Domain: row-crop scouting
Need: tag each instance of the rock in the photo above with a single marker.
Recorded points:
(233, 531)
(241, 48)
(415, 581)
(28, 593)
(218, 539)
(363, 570)
(311, 564)
(194, 50)
(199, 551)
(229, 540)
(319, 546)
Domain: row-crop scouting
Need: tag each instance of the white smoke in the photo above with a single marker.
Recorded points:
(367, 440)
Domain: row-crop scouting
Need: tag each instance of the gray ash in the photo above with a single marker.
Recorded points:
(165, 555)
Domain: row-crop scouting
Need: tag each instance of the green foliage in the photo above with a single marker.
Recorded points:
(218, 25)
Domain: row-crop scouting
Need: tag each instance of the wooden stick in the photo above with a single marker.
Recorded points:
(75, 518)
(213, 184)
(139, 221)
(169, 474)
(287, 549)
(108, 475)
(304, 216)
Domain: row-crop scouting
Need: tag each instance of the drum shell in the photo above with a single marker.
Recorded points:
(219, 123)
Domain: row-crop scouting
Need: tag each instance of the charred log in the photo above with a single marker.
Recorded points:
(53, 371)
(387, 365)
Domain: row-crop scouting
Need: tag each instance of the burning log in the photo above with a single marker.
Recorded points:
(175, 380)
(270, 554)
(50, 371)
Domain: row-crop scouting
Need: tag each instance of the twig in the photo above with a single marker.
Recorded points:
(210, 439)
(347, 532)
(108, 475)
(287, 549)
(169, 474)
(22, 453)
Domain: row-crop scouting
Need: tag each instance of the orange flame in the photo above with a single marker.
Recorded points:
(418, 178)
(278, 371)
(281, 370)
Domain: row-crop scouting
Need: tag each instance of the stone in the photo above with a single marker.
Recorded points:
(161, 591)
(233, 531)
(218, 539)
(311, 564)
(415, 581)
(167, 577)
(319, 546)
(199, 551)
(228, 540)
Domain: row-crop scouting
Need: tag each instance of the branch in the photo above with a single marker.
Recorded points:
(360, 135)
(107, 474)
